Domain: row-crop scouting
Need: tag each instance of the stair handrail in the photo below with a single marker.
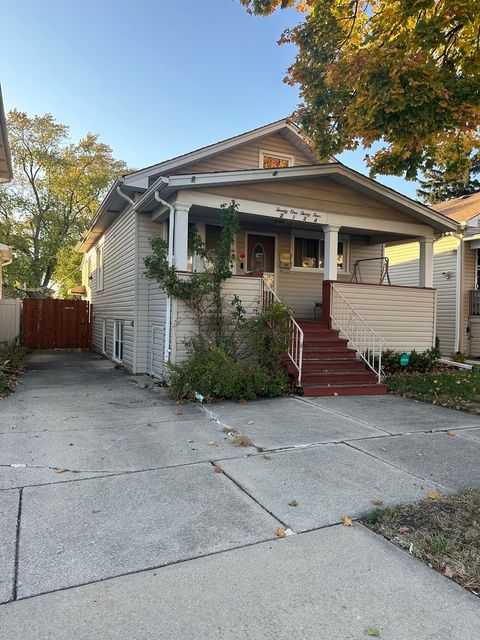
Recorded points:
(295, 344)
(365, 340)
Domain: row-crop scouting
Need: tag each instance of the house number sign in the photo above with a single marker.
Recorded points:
(300, 214)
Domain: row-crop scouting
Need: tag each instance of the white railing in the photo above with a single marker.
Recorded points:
(357, 331)
(295, 343)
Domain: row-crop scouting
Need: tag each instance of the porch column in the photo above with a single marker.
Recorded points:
(426, 262)
(331, 249)
(180, 240)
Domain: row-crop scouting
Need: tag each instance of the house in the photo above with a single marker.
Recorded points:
(312, 232)
(456, 275)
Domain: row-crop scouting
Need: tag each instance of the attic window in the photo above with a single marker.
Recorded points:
(270, 160)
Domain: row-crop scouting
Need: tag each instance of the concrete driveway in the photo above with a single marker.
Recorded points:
(125, 515)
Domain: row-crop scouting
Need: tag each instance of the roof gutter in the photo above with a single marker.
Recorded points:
(124, 195)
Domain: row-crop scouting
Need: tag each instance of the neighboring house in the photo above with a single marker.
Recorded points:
(304, 222)
(456, 275)
(5, 258)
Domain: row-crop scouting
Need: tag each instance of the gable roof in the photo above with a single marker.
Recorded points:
(6, 172)
(167, 186)
(460, 209)
(284, 126)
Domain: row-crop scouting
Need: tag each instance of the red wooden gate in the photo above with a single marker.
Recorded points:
(56, 324)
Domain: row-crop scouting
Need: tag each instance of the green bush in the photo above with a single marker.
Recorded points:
(420, 362)
(215, 374)
(12, 358)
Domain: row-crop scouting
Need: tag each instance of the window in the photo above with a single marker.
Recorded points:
(309, 253)
(99, 254)
(212, 236)
(271, 160)
(118, 340)
(477, 283)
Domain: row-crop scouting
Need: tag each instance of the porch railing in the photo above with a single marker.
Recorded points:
(295, 343)
(474, 305)
(357, 331)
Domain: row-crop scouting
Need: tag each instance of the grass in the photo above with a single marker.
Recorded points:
(455, 389)
(444, 533)
(12, 361)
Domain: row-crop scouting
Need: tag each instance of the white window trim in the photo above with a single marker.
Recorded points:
(321, 237)
(116, 323)
(274, 154)
(100, 271)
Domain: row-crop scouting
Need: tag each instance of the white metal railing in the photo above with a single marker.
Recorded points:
(357, 331)
(295, 344)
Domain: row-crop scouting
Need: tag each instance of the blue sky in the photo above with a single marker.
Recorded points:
(153, 78)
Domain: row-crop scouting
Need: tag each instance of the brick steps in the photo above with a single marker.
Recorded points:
(330, 367)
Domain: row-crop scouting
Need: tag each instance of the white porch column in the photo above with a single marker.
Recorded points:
(331, 249)
(426, 262)
(180, 240)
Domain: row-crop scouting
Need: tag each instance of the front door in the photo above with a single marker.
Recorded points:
(261, 255)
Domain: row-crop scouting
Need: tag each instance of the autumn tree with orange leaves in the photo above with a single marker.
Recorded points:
(400, 74)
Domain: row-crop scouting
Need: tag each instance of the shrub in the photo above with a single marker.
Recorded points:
(420, 362)
(12, 357)
(215, 374)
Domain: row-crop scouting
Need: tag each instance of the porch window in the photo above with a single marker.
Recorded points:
(212, 236)
(118, 340)
(309, 253)
(271, 160)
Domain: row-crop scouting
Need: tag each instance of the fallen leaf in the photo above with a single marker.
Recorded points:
(242, 401)
(403, 529)
(280, 533)
(265, 457)
(449, 572)
(451, 433)
(377, 501)
(293, 503)
(434, 495)
(347, 522)
(218, 469)
(383, 450)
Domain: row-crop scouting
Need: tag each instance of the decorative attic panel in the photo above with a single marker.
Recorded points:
(247, 156)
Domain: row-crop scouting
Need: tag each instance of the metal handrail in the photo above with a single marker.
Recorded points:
(295, 345)
(367, 342)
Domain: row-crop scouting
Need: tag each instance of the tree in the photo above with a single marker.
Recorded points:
(56, 189)
(404, 74)
(436, 187)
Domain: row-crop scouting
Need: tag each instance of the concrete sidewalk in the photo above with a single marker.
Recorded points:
(103, 483)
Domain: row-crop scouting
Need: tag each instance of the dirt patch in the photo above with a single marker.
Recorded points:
(444, 532)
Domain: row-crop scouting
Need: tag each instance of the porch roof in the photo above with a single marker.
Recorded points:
(168, 186)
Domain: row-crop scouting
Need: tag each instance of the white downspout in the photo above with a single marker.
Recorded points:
(124, 195)
(168, 310)
(458, 294)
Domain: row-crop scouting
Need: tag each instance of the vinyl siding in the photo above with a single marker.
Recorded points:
(117, 299)
(246, 156)
(402, 316)
(475, 336)
(471, 337)
(145, 230)
(317, 194)
(157, 304)
(404, 270)
(184, 325)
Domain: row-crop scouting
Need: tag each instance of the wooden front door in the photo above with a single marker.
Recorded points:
(261, 254)
(56, 324)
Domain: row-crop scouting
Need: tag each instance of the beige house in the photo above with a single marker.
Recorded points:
(312, 233)
(455, 275)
